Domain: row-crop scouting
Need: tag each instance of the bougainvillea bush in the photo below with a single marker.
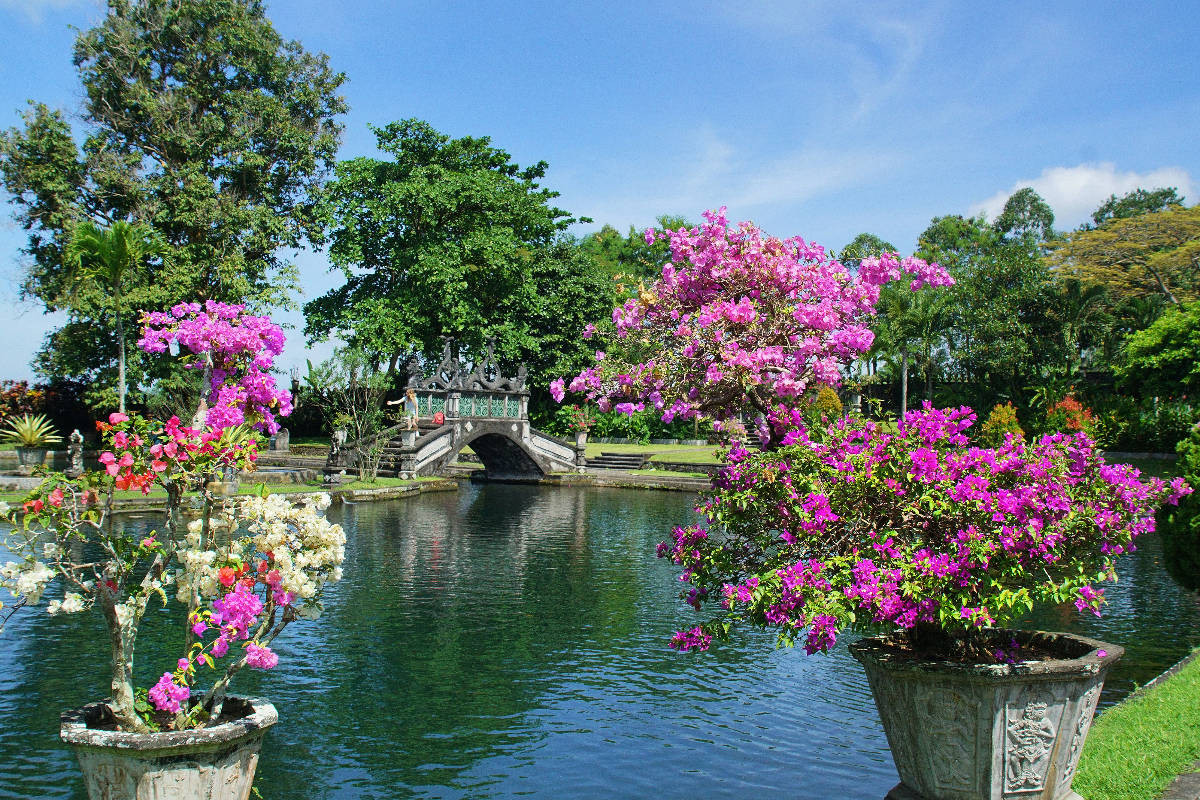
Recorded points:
(240, 570)
(913, 530)
(741, 323)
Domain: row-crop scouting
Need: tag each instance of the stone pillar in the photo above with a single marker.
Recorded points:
(75, 454)
(281, 441)
(452, 404)
(524, 406)
(408, 438)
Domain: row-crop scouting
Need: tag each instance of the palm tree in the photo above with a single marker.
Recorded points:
(106, 259)
(913, 326)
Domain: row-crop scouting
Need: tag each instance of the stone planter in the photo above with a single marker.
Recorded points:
(987, 732)
(581, 438)
(30, 457)
(216, 763)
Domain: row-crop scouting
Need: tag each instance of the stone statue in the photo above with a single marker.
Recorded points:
(75, 454)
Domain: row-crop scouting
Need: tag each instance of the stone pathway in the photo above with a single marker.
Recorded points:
(1185, 787)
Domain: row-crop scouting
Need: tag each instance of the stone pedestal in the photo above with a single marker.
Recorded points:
(988, 732)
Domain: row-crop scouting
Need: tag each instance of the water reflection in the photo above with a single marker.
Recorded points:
(507, 641)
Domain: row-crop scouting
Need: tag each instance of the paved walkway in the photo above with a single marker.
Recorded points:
(1185, 787)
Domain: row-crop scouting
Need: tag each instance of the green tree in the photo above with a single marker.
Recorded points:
(1026, 214)
(446, 238)
(865, 245)
(629, 257)
(199, 120)
(1164, 359)
(1136, 203)
(1138, 256)
(914, 328)
(105, 261)
(1002, 333)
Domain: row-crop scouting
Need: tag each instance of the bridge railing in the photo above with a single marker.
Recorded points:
(473, 404)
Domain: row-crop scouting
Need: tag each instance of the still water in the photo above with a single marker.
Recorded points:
(510, 641)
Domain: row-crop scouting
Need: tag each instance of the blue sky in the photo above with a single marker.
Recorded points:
(821, 119)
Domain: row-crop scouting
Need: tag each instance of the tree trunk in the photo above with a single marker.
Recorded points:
(903, 382)
(120, 359)
(122, 666)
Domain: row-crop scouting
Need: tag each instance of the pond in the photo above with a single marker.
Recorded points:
(505, 641)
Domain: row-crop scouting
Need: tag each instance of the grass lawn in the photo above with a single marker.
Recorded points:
(249, 487)
(1157, 467)
(1137, 748)
(686, 453)
(662, 473)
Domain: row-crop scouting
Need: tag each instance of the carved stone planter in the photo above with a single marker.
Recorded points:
(216, 763)
(991, 731)
(30, 457)
(581, 438)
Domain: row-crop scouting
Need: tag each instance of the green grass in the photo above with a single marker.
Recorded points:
(662, 473)
(1156, 467)
(250, 487)
(685, 453)
(1136, 749)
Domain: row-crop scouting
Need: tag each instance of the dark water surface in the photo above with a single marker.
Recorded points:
(510, 641)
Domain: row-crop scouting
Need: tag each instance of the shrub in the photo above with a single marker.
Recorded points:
(917, 532)
(1180, 528)
(999, 425)
(825, 403)
(1070, 416)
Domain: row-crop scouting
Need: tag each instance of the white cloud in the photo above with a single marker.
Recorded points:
(710, 171)
(1075, 192)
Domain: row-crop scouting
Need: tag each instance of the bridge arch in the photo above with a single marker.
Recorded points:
(503, 455)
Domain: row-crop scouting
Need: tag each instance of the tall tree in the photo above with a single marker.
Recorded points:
(1135, 203)
(1001, 333)
(630, 257)
(1157, 253)
(863, 246)
(199, 120)
(106, 262)
(436, 241)
(1026, 214)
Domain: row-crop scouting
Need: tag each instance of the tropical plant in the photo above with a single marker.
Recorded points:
(31, 431)
(1180, 527)
(240, 572)
(1068, 414)
(108, 260)
(824, 404)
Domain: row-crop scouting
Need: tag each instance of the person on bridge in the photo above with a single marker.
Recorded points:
(410, 408)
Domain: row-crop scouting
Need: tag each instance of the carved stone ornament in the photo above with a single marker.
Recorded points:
(451, 373)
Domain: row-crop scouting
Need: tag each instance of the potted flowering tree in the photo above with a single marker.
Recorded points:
(908, 528)
(240, 571)
(581, 423)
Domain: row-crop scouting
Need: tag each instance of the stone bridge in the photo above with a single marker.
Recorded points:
(480, 408)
